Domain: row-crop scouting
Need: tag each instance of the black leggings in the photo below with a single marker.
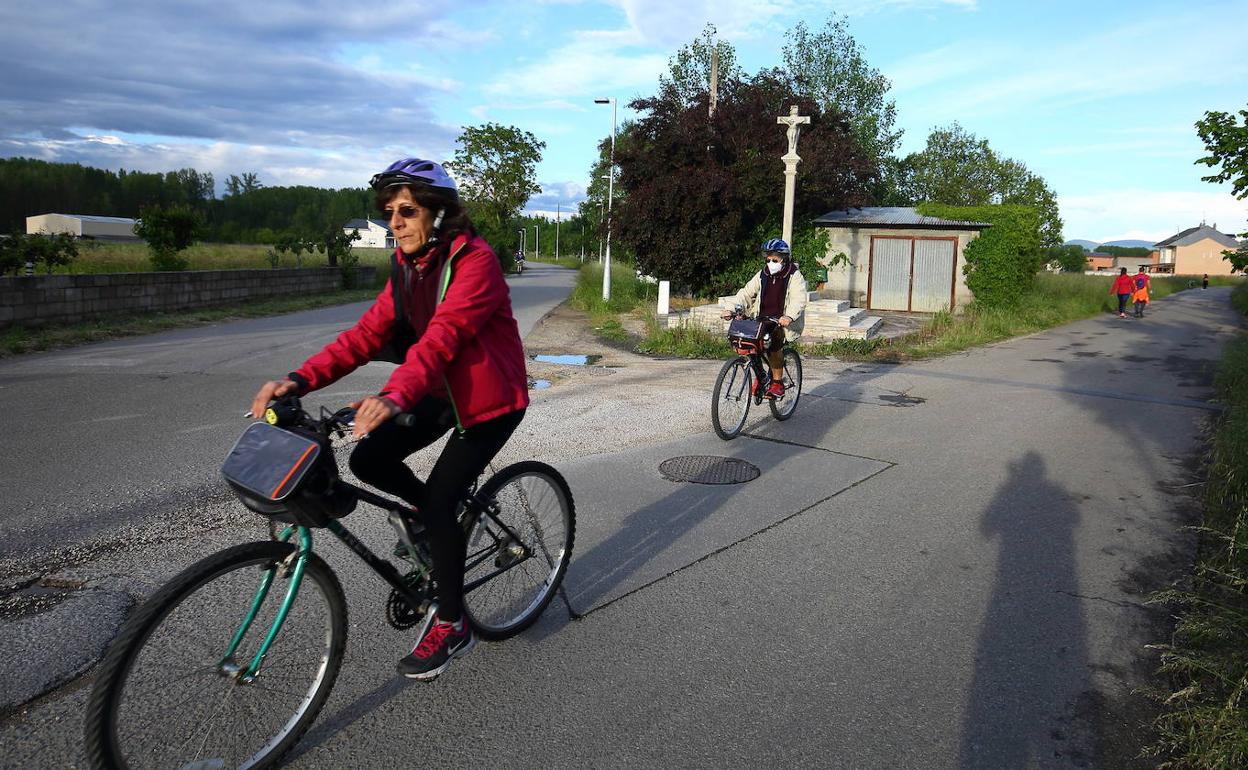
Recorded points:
(379, 461)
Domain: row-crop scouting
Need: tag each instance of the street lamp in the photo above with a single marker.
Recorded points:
(537, 242)
(606, 267)
(523, 233)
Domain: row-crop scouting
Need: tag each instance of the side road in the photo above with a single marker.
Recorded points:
(940, 565)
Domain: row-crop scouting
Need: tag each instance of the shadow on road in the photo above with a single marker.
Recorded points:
(1031, 659)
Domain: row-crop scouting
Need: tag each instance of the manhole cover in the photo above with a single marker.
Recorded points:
(704, 469)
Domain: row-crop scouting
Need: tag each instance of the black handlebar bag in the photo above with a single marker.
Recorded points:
(746, 336)
(288, 475)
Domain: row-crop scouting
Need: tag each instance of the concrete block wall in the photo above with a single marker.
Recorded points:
(42, 299)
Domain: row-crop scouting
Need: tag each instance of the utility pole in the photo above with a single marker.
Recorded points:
(558, 212)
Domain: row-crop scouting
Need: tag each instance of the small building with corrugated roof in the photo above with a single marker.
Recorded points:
(898, 259)
(374, 233)
(83, 226)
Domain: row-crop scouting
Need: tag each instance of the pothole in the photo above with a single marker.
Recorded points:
(708, 469)
(569, 360)
(36, 597)
(538, 384)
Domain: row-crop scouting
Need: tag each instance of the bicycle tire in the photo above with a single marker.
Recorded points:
(783, 408)
(732, 393)
(119, 719)
(534, 503)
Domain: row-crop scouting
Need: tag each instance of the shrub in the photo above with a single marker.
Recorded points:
(1001, 264)
(168, 231)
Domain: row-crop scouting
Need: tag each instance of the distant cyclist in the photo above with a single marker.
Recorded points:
(776, 291)
(462, 367)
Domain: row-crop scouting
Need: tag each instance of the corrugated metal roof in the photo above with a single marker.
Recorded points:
(1195, 234)
(94, 218)
(893, 216)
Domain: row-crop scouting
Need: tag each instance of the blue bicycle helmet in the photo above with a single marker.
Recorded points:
(776, 246)
(415, 171)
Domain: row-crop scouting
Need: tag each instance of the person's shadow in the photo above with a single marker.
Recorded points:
(1031, 661)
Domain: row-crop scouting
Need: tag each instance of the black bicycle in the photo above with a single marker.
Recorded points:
(230, 662)
(745, 378)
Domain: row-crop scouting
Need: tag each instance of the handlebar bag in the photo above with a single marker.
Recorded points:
(269, 463)
(746, 330)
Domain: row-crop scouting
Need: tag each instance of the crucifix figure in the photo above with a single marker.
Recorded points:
(793, 121)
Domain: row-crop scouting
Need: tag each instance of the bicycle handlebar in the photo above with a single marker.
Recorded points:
(288, 411)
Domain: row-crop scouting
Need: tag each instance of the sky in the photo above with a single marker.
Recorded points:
(1099, 98)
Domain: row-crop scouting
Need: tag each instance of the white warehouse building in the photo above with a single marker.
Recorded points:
(83, 226)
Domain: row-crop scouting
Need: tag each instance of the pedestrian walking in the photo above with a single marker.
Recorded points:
(1124, 287)
(1204, 282)
(1140, 295)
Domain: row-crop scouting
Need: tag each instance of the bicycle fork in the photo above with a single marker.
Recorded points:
(293, 565)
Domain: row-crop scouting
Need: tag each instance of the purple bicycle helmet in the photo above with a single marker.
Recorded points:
(415, 171)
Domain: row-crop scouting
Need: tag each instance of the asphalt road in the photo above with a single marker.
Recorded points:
(107, 435)
(941, 565)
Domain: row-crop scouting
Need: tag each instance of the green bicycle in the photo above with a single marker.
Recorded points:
(229, 663)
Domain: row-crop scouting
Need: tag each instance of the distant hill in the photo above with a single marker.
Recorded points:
(1130, 244)
(1127, 244)
(1087, 245)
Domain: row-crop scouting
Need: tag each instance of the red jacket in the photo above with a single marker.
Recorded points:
(1124, 285)
(471, 344)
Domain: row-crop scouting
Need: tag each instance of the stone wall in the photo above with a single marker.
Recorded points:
(41, 299)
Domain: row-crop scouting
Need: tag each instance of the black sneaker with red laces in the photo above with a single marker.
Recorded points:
(433, 654)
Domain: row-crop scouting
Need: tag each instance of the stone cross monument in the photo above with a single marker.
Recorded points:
(793, 121)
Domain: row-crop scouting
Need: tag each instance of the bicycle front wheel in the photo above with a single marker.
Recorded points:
(167, 697)
(731, 404)
(518, 549)
(783, 408)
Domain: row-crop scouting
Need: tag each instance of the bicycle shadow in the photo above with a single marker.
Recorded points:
(1031, 660)
(673, 532)
(325, 729)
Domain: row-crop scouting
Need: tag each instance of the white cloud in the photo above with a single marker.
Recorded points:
(1148, 214)
(593, 64)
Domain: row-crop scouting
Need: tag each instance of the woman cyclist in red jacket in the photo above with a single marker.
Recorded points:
(461, 367)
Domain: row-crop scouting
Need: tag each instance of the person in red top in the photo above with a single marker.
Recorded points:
(445, 316)
(1124, 287)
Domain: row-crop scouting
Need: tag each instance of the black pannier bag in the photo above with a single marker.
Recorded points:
(287, 474)
(746, 335)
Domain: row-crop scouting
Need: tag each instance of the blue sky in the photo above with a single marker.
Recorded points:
(1099, 98)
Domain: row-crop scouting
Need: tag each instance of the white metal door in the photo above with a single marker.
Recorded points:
(890, 273)
(933, 275)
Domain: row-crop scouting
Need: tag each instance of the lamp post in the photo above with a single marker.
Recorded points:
(523, 233)
(606, 265)
(537, 242)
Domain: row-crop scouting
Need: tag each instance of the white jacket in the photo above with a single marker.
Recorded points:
(751, 297)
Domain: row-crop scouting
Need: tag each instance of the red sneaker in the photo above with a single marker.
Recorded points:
(776, 389)
(433, 654)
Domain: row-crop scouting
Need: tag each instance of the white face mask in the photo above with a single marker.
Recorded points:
(774, 267)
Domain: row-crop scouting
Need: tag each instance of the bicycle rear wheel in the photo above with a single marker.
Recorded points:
(731, 403)
(783, 408)
(164, 696)
(518, 550)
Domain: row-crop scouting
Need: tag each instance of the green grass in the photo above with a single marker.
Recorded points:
(563, 261)
(1205, 725)
(18, 339)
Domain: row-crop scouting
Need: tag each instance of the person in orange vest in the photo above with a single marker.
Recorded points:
(1140, 295)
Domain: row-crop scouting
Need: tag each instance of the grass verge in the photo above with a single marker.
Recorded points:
(18, 339)
(1058, 299)
(1205, 725)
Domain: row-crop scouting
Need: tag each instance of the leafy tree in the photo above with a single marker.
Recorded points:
(1068, 259)
(698, 189)
(829, 67)
(960, 169)
(689, 69)
(238, 185)
(495, 167)
(11, 259)
(61, 249)
(1226, 141)
(168, 231)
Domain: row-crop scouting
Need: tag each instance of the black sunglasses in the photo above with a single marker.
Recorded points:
(405, 211)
